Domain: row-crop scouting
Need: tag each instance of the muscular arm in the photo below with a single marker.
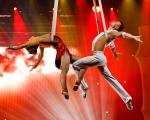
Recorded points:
(40, 56)
(18, 47)
(31, 42)
(126, 35)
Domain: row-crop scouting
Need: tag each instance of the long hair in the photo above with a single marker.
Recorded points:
(32, 49)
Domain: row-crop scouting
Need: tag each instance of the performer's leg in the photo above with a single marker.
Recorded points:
(80, 78)
(65, 62)
(80, 67)
(116, 86)
(83, 85)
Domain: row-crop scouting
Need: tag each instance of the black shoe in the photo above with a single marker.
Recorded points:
(75, 87)
(65, 94)
(129, 104)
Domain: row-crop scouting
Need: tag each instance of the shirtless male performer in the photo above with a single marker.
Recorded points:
(62, 61)
(98, 59)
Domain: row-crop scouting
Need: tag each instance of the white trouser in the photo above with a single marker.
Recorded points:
(98, 59)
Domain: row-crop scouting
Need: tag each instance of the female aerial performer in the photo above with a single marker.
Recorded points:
(62, 61)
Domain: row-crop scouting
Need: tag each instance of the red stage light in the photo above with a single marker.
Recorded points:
(15, 8)
(113, 15)
(97, 8)
(111, 8)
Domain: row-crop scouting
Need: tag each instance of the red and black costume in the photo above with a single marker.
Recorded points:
(61, 49)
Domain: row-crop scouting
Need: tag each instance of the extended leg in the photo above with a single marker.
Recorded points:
(84, 87)
(65, 62)
(80, 78)
(116, 86)
(80, 67)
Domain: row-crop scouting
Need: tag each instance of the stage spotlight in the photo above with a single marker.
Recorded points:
(107, 112)
(111, 8)
(125, 81)
(97, 8)
(113, 15)
(15, 8)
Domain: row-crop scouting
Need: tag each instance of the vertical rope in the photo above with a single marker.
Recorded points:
(96, 16)
(103, 18)
(54, 20)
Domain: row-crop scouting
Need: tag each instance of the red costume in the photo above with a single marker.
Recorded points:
(61, 49)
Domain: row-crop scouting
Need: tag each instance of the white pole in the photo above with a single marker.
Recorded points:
(54, 19)
(97, 21)
(102, 16)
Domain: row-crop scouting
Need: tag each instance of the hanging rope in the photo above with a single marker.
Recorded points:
(103, 18)
(54, 19)
(96, 16)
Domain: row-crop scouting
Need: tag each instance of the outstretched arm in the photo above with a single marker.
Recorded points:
(40, 56)
(126, 35)
(31, 42)
(18, 47)
(130, 36)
